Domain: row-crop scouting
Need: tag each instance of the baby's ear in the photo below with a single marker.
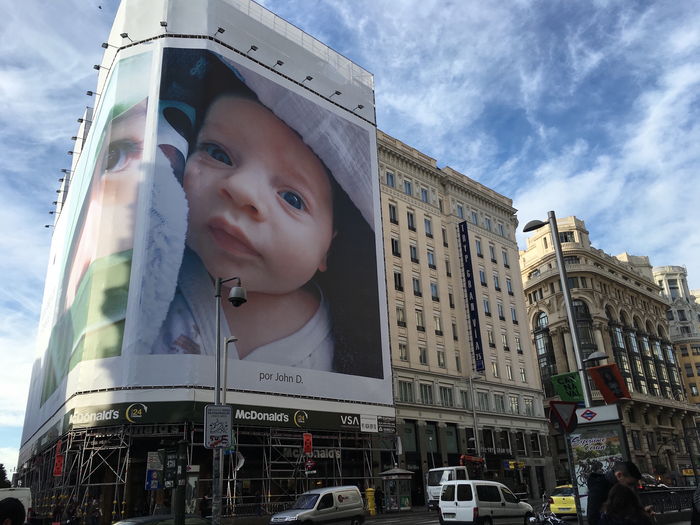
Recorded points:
(323, 265)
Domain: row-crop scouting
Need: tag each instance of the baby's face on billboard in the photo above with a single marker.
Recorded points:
(260, 200)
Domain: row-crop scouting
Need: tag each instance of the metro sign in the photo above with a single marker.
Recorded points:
(588, 414)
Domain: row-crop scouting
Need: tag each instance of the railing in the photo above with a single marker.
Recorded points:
(668, 500)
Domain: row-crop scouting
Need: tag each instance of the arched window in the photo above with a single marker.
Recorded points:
(584, 325)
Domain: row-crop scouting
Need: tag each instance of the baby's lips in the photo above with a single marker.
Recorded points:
(176, 159)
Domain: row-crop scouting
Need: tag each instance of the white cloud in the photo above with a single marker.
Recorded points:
(8, 457)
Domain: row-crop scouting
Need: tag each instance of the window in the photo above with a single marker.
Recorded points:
(681, 315)
(446, 397)
(523, 378)
(448, 270)
(423, 355)
(489, 336)
(673, 288)
(535, 444)
(434, 294)
(451, 299)
(504, 342)
(487, 223)
(454, 330)
(669, 315)
(496, 282)
(441, 358)
(514, 404)
(513, 315)
(509, 496)
(466, 398)
(688, 370)
(697, 369)
(571, 259)
(444, 238)
(501, 314)
(406, 391)
(438, 324)
(408, 187)
(403, 351)
(487, 307)
(482, 400)
(413, 252)
(395, 247)
(326, 502)
(566, 236)
(509, 372)
(693, 389)
(504, 256)
(420, 323)
(494, 369)
(636, 440)
(398, 281)
(428, 227)
(492, 253)
(482, 276)
(416, 287)
(501, 230)
(458, 362)
(460, 211)
(479, 253)
(392, 214)
(517, 344)
(499, 403)
(520, 443)
(475, 217)
(431, 259)
(426, 394)
(411, 219)
(424, 194)
(509, 286)
(529, 406)
(390, 179)
(488, 493)
(400, 316)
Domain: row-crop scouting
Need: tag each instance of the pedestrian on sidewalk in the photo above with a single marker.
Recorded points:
(379, 500)
(600, 484)
(624, 508)
(12, 512)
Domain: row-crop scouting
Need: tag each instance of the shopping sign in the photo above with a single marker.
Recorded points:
(308, 443)
(564, 413)
(568, 386)
(217, 426)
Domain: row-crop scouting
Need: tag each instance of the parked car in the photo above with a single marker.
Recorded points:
(329, 504)
(437, 477)
(562, 501)
(484, 502)
(649, 482)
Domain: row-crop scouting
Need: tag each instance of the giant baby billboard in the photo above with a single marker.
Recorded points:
(201, 166)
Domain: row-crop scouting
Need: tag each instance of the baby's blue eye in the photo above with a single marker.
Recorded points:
(217, 153)
(293, 199)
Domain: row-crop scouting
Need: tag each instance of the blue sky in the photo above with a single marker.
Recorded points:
(588, 108)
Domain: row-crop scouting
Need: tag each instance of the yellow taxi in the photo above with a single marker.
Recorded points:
(562, 501)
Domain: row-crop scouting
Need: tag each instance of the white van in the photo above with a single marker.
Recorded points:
(329, 504)
(484, 502)
(437, 477)
(24, 494)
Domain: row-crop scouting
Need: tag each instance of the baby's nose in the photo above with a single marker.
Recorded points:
(245, 190)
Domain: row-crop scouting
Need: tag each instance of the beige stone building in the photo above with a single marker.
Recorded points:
(438, 411)
(619, 310)
(683, 316)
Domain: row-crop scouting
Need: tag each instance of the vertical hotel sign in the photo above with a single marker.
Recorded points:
(471, 297)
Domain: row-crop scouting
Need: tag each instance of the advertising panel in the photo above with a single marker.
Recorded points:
(203, 164)
(478, 349)
(595, 448)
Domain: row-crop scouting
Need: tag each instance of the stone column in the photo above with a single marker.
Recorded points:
(441, 446)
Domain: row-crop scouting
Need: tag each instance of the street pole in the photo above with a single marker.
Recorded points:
(217, 456)
(574, 481)
(587, 399)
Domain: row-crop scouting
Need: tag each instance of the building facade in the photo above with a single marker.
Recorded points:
(618, 310)
(445, 409)
(683, 316)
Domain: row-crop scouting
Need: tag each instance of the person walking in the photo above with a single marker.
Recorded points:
(379, 500)
(600, 484)
(624, 508)
(12, 512)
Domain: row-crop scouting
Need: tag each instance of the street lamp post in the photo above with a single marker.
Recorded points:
(535, 225)
(236, 296)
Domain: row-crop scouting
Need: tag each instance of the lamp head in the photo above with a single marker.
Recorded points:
(533, 225)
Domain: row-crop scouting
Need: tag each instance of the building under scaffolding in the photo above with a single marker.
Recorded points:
(268, 468)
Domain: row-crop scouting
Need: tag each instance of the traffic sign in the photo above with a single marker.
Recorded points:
(568, 386)
(217, 426)
(565, 412)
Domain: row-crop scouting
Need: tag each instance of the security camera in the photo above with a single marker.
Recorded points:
(237, 296)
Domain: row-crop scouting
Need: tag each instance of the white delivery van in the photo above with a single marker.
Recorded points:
(483, 502)
(437, 477)
(329, 504)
